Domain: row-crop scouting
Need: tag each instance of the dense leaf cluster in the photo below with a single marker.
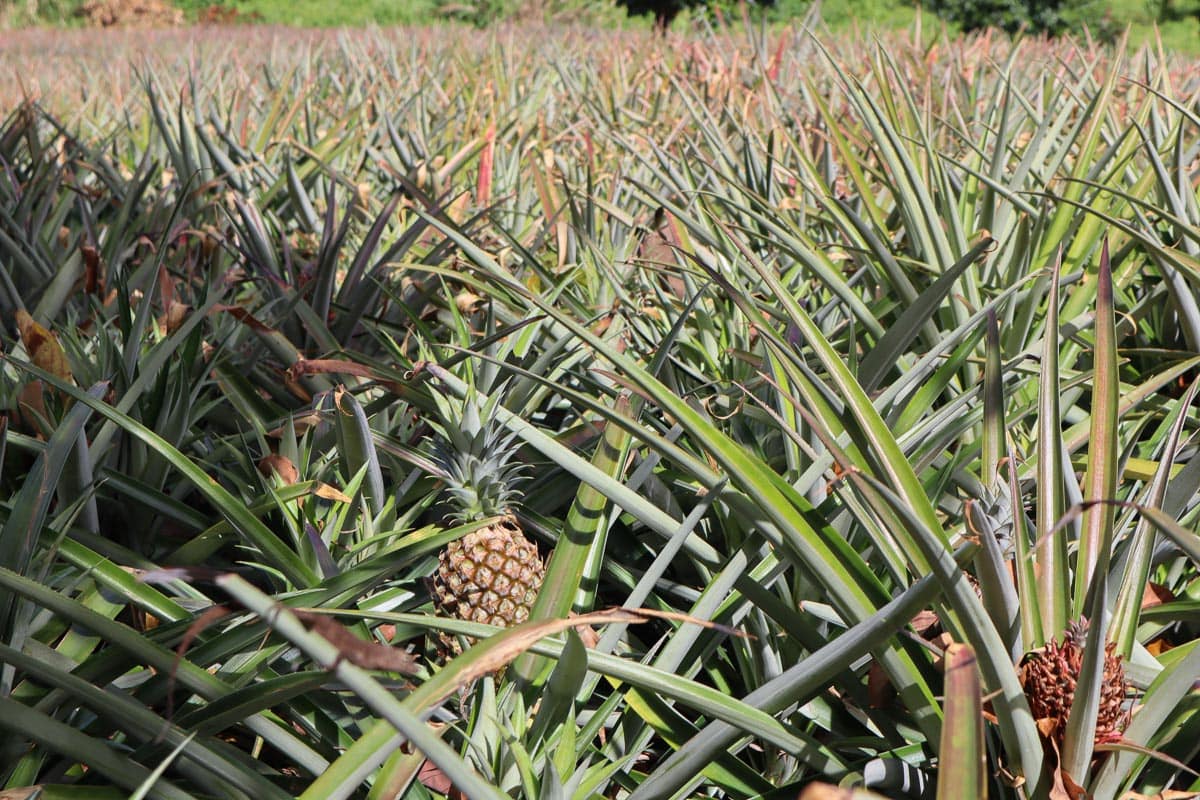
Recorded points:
(844, 379)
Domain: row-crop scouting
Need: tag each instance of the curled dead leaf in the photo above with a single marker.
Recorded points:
(432, 777)
(43, 347)
(174, 316)
(301, 424)
(467, 302)
(327, 492)
(925, 621)
(360, 653)
(1155, 594)
(93, 280)
(494, 654)
(324, 366)
(280, 466)
(243, 316)
(1065, 788)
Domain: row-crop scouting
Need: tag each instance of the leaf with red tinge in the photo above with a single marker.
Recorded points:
(963, 752)
(776, 60)
(432, 777)
(483, 187)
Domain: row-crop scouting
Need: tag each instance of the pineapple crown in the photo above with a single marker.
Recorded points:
(474, 455)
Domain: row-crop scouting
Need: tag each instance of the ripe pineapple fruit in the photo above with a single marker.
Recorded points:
(1049, 677)
(492, 574)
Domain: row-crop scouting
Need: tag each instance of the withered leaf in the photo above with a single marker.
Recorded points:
(1155, 594)
(301, 423)
(93, 280)
(432, 777)
(362, 654)
(501, 649)
(322, 366)
(173, 317)
(1065, 788)
(43, 347)
(280, 466)
(243, 316)
(327, 492)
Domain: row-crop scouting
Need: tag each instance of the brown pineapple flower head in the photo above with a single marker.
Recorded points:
(1049, 678)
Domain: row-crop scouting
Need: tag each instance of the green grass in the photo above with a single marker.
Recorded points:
(320, 14)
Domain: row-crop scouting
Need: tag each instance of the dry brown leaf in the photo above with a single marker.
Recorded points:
(1155, 594)
(432, 777)
(301, 424)
(202, 621)
(93, 280)
(295, 387)
(501, 650)
(174, 316)
(467, 301)
(924, 621)
(362, 654)
(280, 466)
(327, 492)
(587, 634)
(1046, 727)
(1065, 788)
(43, 347)
(320, 366)
(243, 316)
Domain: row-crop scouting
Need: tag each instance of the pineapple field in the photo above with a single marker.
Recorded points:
(548, 412)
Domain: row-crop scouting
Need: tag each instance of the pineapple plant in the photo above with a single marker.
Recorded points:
(1049, 676)
(493, 573)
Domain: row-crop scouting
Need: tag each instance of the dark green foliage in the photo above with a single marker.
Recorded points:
(665, 11)
(1049, 16)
